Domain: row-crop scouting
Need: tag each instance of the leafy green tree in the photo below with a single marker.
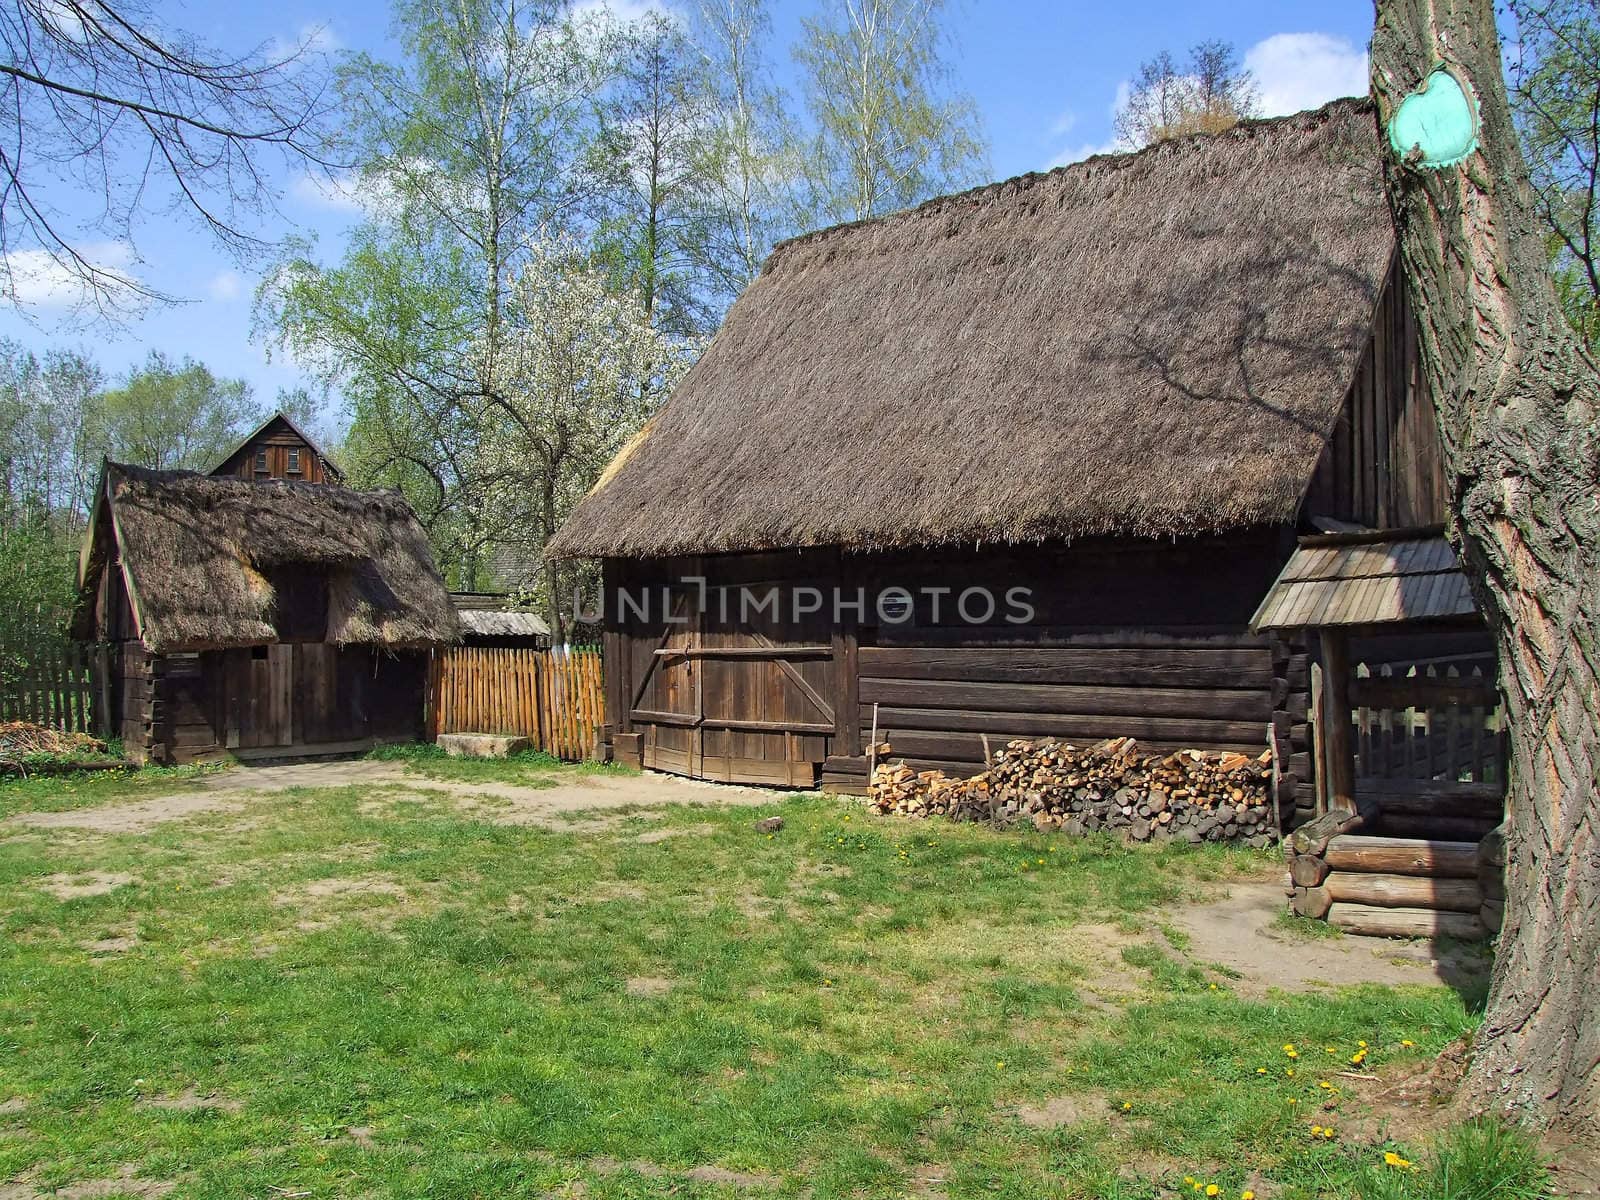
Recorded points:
(481, 137)
(1555, 98)
(890, 130)
(175, 415)
(51, 439)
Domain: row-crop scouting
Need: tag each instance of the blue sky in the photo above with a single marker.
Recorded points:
(1045, 75)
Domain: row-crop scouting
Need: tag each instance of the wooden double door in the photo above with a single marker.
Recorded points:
(738, 687)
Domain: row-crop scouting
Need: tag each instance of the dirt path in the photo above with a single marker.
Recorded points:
(568, 804)
(1238, 931)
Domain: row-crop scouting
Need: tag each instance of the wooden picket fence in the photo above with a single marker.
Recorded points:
(554, 697)
(1438, 719)
(59, 687)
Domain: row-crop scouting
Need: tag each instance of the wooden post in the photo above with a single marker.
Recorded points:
(1337, 754)
(102, 691)
(1319, 717)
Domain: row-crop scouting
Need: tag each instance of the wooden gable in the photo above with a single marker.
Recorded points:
(278, 450)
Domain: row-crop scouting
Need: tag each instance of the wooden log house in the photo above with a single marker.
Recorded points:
(258, 619)
(1126, 386)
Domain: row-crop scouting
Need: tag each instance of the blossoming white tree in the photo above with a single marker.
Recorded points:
(575, 370)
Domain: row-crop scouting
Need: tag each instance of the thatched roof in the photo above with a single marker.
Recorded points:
(198, 553)
(1154, 343)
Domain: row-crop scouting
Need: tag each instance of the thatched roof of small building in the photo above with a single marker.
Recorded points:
(1154, 343)
(199, 552)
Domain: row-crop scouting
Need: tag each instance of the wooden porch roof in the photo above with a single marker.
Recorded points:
(1355, 579)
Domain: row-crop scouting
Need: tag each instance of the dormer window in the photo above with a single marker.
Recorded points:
(261, 461)
(294, 461)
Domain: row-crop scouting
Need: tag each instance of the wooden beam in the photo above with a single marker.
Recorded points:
(1338, 755)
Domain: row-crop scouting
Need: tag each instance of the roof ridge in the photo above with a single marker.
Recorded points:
(1117, 160)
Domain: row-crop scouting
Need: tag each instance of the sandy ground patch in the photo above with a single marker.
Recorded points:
(646, 986)
(126, 1184)
(137, 817)
(576, 803)
(1237, 932)
(190, 1100)
(704, 1174)
(376, 900)
(13, 1105)
(1057, 1111)
(108, 947)
(88, 883)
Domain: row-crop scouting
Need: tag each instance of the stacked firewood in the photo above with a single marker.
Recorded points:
(1193, 795)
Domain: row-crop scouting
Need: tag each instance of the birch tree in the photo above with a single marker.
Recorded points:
(752, 155)
(891, 131)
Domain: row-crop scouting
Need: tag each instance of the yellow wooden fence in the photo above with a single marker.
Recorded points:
(555, 697)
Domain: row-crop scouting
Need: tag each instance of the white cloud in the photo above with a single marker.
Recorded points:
(1297, 71)
(1082, 151)
(338, 192)
(38, 280)
(225, 285)
(626, 11)
(1065, 124)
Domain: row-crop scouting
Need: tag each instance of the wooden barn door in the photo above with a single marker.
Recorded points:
(739, 696)
(258, 697)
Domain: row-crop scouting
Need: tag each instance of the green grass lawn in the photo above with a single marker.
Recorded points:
(377, 993)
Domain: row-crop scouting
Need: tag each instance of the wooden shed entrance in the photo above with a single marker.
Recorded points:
(737, 690)
(1407, 839)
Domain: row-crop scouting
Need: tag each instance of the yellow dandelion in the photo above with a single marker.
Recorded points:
(1189, 1180)
(1212, 1189)
(1041, 862)
(1363, 1045)
(1394, 1160)
(1315, 1130)
(1407, 1042)
(1289, 1071)
(1000, 1065)
(1292, 1100)
(1247, 1194)
(1261, 1070)
(1126, 1105)
(1324, 1085)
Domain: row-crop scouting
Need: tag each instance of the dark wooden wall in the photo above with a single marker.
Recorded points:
(1147, 639)
(277, 439)
(282, 697)
(1382, 467)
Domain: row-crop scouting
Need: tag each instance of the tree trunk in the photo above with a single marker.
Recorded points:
(1516, 398)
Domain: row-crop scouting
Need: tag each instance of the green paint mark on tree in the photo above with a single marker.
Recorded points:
(1436, 126)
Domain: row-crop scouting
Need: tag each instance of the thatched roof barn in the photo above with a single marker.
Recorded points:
(199, 554)
(280, 602)
(1107, 397)
(1155, 343)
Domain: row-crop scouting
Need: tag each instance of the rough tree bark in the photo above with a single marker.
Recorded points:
(1516, 396)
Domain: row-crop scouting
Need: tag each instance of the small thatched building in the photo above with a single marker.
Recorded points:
(1121, 387)
(262, 618)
